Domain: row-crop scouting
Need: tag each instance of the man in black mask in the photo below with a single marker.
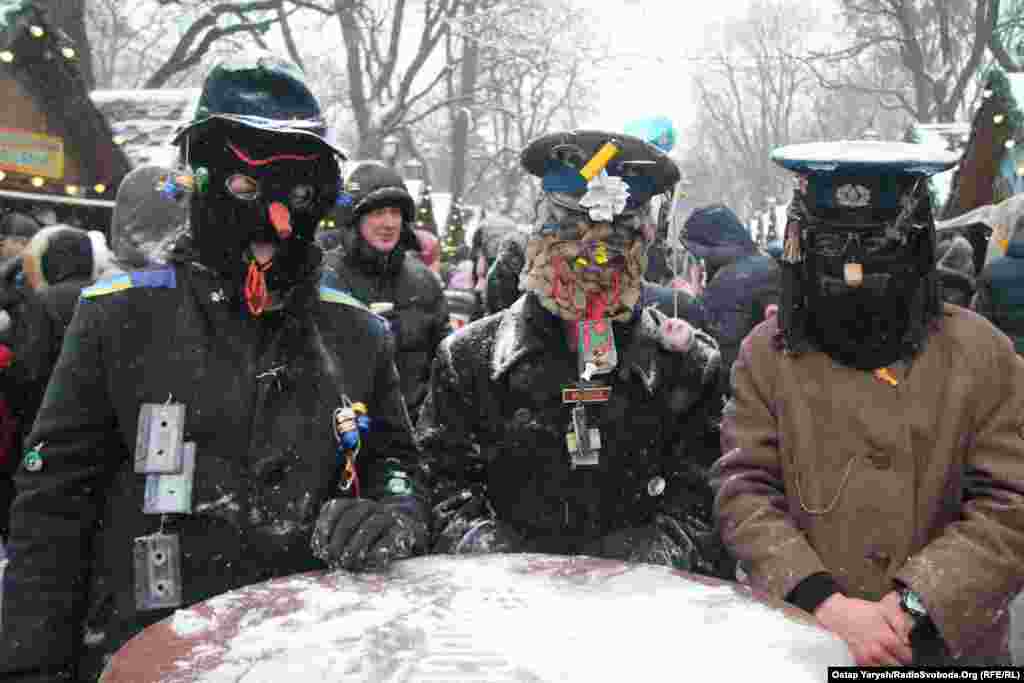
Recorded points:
(872, 468)
(205, 415)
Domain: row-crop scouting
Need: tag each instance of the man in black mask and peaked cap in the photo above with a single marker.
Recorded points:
(872, 468)
(205, 415)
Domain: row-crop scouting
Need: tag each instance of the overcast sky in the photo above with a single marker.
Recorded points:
(659, 35)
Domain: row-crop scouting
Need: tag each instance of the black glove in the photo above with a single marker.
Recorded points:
(358, 534)
(667, 542)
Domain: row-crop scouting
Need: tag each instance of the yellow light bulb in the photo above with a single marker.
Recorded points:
(119, 139)
(998, 118)
(3, 176)
(37, 181)
(68, 52)
(6, 56)
(1010, 144)
(71, 189)
(100, 188)
(37, 31)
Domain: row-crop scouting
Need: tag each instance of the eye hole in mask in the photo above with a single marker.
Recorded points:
(243, 187)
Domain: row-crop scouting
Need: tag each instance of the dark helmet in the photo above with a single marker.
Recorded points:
(261, 91)
(372, 185)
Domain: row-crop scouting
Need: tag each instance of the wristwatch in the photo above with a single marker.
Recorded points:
(912, 605)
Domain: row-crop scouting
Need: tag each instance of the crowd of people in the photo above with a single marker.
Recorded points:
(830, 423)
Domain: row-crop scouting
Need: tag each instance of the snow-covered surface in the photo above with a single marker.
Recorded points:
(485, 618)
(865, 156)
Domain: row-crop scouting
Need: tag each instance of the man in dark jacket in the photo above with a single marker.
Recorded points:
(742, 282)
(378, 266)
(195, 421)
(571, 422)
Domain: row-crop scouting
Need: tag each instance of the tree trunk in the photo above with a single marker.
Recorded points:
(69, 16)
(460, 129)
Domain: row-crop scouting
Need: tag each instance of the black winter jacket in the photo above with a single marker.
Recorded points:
(259, 396)
(419, 320)
(494, 421)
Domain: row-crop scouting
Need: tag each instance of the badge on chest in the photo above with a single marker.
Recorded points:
(597, 356)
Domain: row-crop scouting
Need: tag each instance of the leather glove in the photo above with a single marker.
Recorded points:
(357, 534)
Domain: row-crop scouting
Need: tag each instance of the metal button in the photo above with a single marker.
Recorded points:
(522, 415)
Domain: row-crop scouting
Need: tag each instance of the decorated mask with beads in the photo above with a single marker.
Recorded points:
(586, 254)
(261, 175)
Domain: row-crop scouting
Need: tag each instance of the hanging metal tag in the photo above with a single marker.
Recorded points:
(597, 352)
(157, 572)
(158, 441)
(586, 439)
(172, 493)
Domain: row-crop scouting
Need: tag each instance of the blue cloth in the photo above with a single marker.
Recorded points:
(1000, 295)
(735, 301)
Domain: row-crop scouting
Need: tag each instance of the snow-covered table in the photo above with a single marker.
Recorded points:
(485, 618)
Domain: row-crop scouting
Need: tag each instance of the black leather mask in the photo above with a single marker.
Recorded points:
(261, 187)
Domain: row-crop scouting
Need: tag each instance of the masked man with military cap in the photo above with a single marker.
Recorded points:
(873, 452)
(377, 264)
(572, 422)
(203, 411)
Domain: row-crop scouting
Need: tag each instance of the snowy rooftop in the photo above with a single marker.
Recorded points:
(144, 121)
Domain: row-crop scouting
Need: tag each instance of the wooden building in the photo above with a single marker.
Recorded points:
(56, 149)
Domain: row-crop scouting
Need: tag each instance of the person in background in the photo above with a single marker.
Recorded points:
(59, 262)
(430, 251)
(954, 263)
(1000, 289)
(378, 265)
(872, 468)
(146, 222)
(743, 283)
(16, 230)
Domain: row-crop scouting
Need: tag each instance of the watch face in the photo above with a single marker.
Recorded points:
(851, 195)
(912, 603)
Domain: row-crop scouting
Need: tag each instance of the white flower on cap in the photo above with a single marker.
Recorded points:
(606, 197)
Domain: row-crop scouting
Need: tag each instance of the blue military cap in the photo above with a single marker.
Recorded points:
(562, 161)
(861, 174)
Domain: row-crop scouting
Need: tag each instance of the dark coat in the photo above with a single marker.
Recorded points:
(735, 301)
(259, 395)
(420, 318)
(494, 419)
